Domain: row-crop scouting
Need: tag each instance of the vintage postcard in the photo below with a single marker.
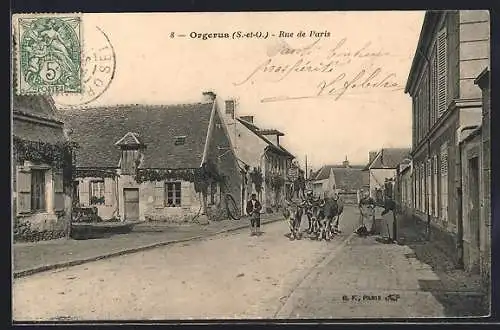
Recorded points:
(251, 165)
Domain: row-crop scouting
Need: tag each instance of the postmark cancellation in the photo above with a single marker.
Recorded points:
(48, 54)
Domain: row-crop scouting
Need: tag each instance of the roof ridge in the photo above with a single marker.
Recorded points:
(127, 105)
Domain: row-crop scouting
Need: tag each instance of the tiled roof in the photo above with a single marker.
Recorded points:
(34, 106)
(324, 172)
(271, 146)
(97, 130)
(389, 158)
(346, 178)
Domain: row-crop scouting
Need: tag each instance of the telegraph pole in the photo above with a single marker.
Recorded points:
(306, 169)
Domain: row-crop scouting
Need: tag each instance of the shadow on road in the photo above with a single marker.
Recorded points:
(458, 291)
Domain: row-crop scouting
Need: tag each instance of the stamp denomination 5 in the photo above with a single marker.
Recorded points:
(48, 50)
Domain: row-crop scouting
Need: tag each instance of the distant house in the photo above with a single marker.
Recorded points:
(404, 187)
(146, 162)
(383, 167)
(41, 164)
(259, 152)
(345, 179)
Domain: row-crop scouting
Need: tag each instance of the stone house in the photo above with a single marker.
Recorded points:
(41, 167)
(383, 167)
(263, 159)
(141, 162)
(346, 180)
(452, 51)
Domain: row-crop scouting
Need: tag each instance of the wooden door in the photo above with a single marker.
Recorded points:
(131, 198)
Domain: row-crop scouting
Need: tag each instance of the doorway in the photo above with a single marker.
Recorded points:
(474, 214)
(131, 198)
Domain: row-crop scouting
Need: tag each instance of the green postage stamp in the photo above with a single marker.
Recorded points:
(48, 53)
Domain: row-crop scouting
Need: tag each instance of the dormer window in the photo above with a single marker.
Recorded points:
(180, 140)
(132, 152)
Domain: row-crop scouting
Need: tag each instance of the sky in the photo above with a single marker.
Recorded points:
(334, 94)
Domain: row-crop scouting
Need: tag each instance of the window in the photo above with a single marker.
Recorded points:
(442, 71)
(76, 192)
(173, 194)
(180, 140)
(38, 190)
(97, 192)
(230, 107)
(434, 85)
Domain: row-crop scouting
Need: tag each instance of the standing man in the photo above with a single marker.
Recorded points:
(253, 210)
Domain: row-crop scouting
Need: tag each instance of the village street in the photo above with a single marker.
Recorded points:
(238, 276)
(228, 276)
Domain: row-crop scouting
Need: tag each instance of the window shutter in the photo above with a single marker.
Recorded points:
(434, 85)
(109, 191)
(159, 194)
(23, 191)
(444, 183)
(422, 187)
(429, 187)
(442, 72)
(58, 190)
(435, 187)
(186, 193)
(444, 161)
(84, 193)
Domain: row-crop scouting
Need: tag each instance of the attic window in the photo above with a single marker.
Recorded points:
(180, 140)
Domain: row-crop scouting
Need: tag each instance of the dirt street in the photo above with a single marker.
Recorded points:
(228, 276)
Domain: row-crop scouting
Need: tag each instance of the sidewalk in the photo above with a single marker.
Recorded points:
(29, 258)
(368, 279)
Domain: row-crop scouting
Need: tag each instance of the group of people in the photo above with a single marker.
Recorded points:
(323, 215)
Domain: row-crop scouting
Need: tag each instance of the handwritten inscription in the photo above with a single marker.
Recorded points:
(339, 70)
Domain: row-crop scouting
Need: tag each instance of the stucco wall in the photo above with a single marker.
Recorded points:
(50, 220)
(190, 201)
(221, 154)
(377, 178)
(110, 207)
(474, 49)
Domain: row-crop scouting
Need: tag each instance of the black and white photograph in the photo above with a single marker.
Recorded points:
(314, 165)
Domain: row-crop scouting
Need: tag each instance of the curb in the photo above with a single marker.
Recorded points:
(31, 271)
(286, 310)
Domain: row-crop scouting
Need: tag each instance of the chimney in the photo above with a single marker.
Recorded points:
(229, 108)
(247, 118)
(372, 156)
(209, 96)
(345, 163)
